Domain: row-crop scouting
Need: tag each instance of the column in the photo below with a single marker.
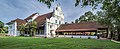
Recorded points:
(46, 30)
(15, 29)
(53, 32)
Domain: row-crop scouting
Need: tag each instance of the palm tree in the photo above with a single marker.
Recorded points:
(21, 28)
(32, 27)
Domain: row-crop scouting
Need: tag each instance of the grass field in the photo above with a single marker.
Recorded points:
(55, 43)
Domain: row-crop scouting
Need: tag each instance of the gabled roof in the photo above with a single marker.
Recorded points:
(42, 18)
(30, 17)
(82, 26)
(19, 21)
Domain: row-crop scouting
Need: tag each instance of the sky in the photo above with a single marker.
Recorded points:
(12, 9)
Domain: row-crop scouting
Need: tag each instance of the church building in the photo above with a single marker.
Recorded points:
(52, 25)
(46, 23)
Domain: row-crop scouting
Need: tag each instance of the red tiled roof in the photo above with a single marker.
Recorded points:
(19, 21)
(30, 16)
(82, 26)
(41, 19)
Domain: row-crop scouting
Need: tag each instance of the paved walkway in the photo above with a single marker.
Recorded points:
(115, 41)
(109, 39)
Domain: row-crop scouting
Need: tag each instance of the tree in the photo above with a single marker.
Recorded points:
(47, 2)
(88, 16)
(112, 24)
(1, 24)
(76, 21)
(32, 28)
(5, 29)
(21, 28)
(1, 27)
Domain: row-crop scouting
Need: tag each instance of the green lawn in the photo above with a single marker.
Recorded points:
(55, 43)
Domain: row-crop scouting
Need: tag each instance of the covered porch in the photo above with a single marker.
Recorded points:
(77, 34)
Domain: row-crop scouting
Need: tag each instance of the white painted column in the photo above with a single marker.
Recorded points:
(53, 32)
(9, 30)
(46, 29)
(15, 29)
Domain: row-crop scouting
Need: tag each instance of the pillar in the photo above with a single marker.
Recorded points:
(53, 32)
(15, 31)
(46, 29)
(64, 34)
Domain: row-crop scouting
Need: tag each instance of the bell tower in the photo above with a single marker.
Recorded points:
(58, 13)
(55, 21)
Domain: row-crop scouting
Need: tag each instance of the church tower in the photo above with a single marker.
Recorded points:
(59, 14)
(54, 22)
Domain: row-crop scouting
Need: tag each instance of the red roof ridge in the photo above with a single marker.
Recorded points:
(29, 17)
(42, 18)
(46, 14)
(78, 26)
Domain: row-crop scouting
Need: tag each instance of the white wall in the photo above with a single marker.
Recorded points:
(12, 29)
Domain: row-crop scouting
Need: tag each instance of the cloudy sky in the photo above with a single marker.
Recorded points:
(12, 9)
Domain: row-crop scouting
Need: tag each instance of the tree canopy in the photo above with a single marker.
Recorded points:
(88, 16)
(1, 24)
(3, 29)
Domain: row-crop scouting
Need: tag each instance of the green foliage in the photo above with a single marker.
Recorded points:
(30, 27)
(88, 16)
(76, 21)
(21, 28)
(2, 28)
(111, 9)
(47, 2)
(34, 27)
(1, 24)
(55, 43)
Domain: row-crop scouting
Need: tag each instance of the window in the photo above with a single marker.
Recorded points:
(50, 26)
(55, 21)
(10, 27)
(59, 22)
(56, 8)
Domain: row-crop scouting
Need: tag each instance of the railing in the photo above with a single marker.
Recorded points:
(77, 36)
